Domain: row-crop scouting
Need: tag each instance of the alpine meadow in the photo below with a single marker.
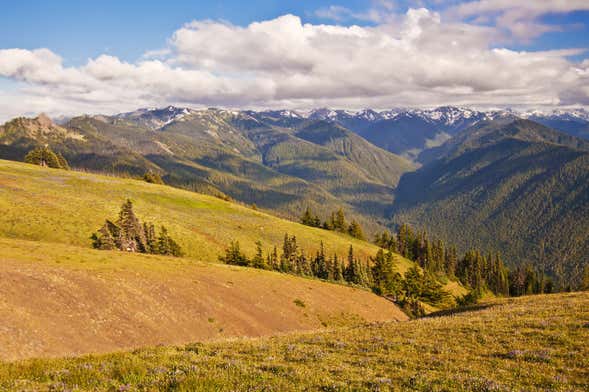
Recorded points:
(294, 196)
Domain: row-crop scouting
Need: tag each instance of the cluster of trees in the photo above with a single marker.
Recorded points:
(414, 286)
(433, 256)
(378, 273)
(44, 156)
(130, 235)
(153, 178)
(292, 259)
(474, 269)
(336, 222)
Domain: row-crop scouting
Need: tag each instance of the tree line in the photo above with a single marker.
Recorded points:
(474, 269)
(377, 273)
(128, 234)
(336, 222)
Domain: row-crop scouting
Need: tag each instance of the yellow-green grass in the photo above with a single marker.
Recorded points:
(58, 300)
(52, 205)
(536, 343)
(65, 206)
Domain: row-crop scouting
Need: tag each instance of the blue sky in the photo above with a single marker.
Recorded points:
(81, 29)
(78, 30)
(66, 57)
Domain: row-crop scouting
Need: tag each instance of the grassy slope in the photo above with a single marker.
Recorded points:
(51, 205)
(66, 207)
(523, 344)
(58, 300)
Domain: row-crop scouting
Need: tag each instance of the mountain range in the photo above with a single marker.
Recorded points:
(499, 180)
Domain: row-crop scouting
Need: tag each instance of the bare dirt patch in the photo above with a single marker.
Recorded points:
(62, 304)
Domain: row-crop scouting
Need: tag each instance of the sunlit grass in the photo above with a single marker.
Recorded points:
(66, 207)
(526, 344)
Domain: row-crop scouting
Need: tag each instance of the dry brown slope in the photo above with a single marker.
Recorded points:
(58, 300)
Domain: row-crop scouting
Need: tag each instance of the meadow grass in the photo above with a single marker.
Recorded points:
(52, 205)
(537, 343)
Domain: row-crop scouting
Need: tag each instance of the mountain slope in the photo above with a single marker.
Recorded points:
(373, 161)
(89, 149)
(573, 122)
(60, 300)
(514, 186)
(66, 207)
(253, 157)
(505, 345)
(199, 154)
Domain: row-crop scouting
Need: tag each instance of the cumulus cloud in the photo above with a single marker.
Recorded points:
(420, 60)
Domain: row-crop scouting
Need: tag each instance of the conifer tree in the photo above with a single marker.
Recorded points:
(352, 274)
(385, 280)
(153, 178)
(383, 239)
(274, 263)
(451, 259)
(103, 239)
(129, 234)
(44, 156)
(150, 238)
(304, 266)
(320, 269)
(355, 230)
(133, 237)
(258, 259)
(310, 219)
(166, 245)
(234, 256)
(331, 267)
(338, 272)
(63, 164)
(339, 223)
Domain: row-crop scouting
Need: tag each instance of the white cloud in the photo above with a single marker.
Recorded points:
(381, 11)
(420, 60)
(519, 19)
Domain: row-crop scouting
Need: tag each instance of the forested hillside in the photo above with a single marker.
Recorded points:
(514, 186)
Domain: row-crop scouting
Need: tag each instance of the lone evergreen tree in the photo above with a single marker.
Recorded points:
(339, 221)
(153, 178)
(258, 259)
(44, 156)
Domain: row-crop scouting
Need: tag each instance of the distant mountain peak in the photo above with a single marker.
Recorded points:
(40, 128)
(155, 118)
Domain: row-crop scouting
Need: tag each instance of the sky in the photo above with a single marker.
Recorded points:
(73, 57)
